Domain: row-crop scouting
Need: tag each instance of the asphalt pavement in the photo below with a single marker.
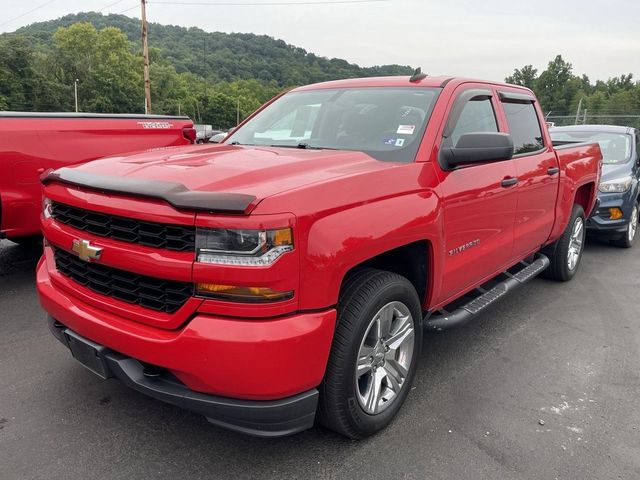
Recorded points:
(544, 385)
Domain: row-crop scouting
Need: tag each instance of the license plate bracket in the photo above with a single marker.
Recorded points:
(88, 353)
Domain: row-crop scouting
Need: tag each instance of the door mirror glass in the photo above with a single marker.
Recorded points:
(479, 147)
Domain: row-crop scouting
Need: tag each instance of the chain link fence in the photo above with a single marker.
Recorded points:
(584, 118)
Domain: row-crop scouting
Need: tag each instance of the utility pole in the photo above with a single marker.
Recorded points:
(75, 93)
(204, 64)
(145, 54)
(238, 112)
(578, 111)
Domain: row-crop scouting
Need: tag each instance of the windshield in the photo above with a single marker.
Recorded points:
(616, 147)
(385, 123)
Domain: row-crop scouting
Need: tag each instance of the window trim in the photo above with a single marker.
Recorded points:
(530, 154)
(513, 97)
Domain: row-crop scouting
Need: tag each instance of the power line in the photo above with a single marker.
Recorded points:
(27, 13)
(109, 5)
(127, 9)
(260, 4)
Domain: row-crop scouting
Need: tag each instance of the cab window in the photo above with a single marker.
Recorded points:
(524, 127)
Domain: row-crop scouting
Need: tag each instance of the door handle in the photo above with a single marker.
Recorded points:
(509, 182)
(552, 170)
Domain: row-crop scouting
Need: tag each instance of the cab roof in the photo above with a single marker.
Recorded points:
(400, 81)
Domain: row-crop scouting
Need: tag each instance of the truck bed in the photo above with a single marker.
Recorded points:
(31, 143)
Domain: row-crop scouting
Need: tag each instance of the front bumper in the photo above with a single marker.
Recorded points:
(261, 418)
(241, 362)
(600, 224)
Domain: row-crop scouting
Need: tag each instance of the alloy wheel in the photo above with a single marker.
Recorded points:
(384, 357)
(633, 224)
(575, 243)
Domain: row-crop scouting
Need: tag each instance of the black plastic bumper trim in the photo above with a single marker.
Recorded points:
(262, 418)
(175, 194)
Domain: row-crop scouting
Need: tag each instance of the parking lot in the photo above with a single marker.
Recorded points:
(544, 385)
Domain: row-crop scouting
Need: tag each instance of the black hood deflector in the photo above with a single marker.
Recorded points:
(175, 194)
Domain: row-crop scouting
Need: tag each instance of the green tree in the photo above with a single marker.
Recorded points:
(116, 74)
(109, 75)
(555, 87)
(526, 77)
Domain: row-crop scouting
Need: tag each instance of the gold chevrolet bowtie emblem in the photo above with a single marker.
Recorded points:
(86, 251)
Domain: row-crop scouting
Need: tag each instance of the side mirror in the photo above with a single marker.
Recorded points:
(479, 147)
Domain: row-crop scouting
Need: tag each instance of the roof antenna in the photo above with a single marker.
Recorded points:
(417, 75)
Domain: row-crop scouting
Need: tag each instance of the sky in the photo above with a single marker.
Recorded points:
(482, 39)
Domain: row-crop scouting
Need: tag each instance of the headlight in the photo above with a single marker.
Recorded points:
(46, 207)
(242, 247)
(617, 185)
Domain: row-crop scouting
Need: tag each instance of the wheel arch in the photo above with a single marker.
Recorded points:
(412, 261)
(585, 197)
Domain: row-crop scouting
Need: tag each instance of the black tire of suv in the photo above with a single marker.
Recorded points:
(624, 241)
(361, 298)
(558, 251)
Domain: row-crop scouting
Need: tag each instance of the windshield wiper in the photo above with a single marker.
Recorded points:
(303, 146)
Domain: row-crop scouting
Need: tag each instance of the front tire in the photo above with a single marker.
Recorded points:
(374, 355)
(565, 253)
(629, 237)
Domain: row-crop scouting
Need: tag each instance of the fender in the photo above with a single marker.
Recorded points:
(341, 241)
(351, 219)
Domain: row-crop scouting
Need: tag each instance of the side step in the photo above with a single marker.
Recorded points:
(443, 320)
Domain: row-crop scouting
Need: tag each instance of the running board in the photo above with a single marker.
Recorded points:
(444, 320)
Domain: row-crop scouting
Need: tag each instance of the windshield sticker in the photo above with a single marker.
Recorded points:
(406, 129)
(389, 141)
(399, 142)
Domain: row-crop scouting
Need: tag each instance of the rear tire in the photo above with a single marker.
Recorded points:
(375, 351)
(630, 235)
(565, 253)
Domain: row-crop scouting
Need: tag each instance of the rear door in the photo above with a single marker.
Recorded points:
(479, 200)
(537, 171)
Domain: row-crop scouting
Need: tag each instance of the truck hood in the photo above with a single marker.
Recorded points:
(234, 169)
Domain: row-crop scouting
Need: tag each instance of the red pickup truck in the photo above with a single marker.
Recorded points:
(31, 143)
(287, 274)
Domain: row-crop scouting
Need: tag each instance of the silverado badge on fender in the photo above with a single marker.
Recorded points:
(86, 251)
(464, 247)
